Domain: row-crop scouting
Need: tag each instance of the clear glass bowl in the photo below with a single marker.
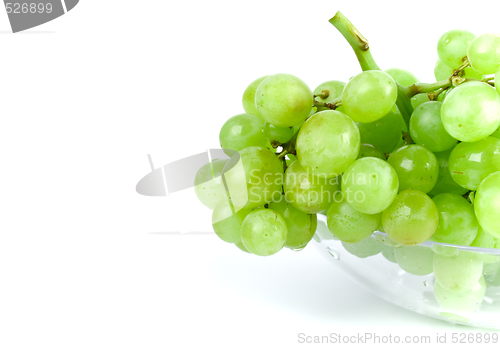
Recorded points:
(389, 281)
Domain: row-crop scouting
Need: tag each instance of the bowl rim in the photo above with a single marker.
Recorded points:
(430, 244)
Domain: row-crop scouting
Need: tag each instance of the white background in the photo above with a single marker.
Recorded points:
(84, 98)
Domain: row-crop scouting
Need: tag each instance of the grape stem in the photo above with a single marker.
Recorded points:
(361, 48)
(331, 105)
(323, 95)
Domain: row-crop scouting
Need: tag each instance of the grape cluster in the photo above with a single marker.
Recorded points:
(347, 151)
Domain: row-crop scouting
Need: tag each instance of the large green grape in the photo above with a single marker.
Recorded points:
(349, 225)
(207, 183)
(487, 204)
(426, 128)
(471, 162)
(253, 178)
(280, 134)
(301, 226)
(264, 232)
(468, 301)
(327, 143)
(242, 131)
(370, 185)
(486, 240)
(457, 221)
(452, 46)
(384, 133)
(411, 219)
(460, 273)
(471, 111)
(309, 193)
(369, 96)
(416, 260)
(484, 53)
(368, 150)
(226, 222)
(416, 166)
(283, 100)
(249, 96)
(334, 88)
(445, 183)
(403, 77)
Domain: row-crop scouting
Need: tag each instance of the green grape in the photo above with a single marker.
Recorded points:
(309, 193)
(411, 219)
(484, 53)
(349, 225)
(388, 253)
(249, 96)
(264, 232)
(497, 85)
(241, 247)
(452, 46)
(471, 162)
(226, 223)
(253, 178)
(444, 72)
(487, 204)
(471, 111)
(458, 274)
(416, 166)
(370, 185)
(301, 226)
(327, 143)
(365, 248)
(419, 99)
(334, 88)
(384, 133)
(416, 260)
(486, 240)
(426, 128)
(242, 131)
(457, 221)
(283, 100)
(207, 183)
(403, 77)
(369, 96)
(368, 150)
(445, 183)
(468, 301)
(279, 134)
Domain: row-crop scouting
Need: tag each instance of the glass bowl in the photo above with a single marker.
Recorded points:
(375, 268)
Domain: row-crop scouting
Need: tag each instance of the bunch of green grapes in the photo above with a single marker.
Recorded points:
(429, 170)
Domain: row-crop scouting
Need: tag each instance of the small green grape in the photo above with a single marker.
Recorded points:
(411, 219)
(349, 225)
(484, 53)
(416, 166)
(403, 77)
(301, 226)
(279, 134)
(416, 260)
(226, 222)
(426, 128)
(242, 131)
(368, 150)
(384, 133)
(365, 248)
(445, 183)
(452, 46)
(457, 221)
(264, 232)
(249, 96)
(369, 96)
(468, 301)
(487, 204)
(207, 183)
(458, 274)
(334, 88)
(283, 100)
